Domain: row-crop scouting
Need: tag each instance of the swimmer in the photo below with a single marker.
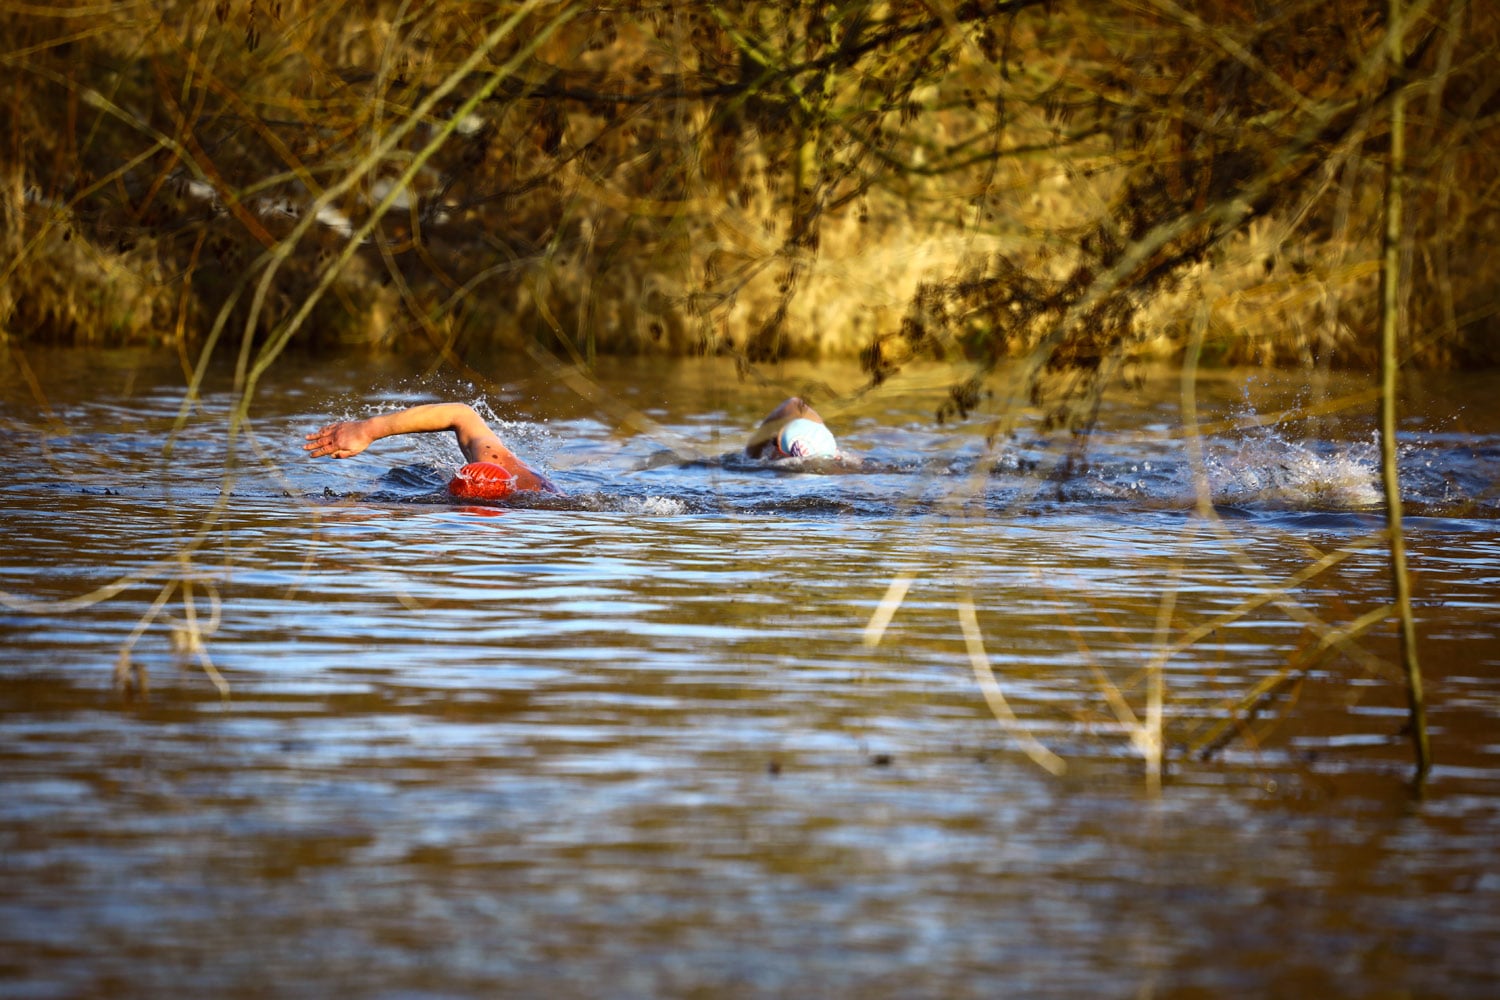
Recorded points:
(793, 430)
(493, 470)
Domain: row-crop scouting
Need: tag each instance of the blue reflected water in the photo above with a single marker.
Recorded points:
(637, 741)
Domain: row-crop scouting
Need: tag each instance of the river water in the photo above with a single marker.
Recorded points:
(705, 727)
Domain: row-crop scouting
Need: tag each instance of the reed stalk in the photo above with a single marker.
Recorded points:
(1390, 328)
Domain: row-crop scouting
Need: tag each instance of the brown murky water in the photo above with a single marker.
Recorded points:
(636, 742)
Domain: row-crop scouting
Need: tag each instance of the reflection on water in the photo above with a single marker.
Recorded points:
(632, 742)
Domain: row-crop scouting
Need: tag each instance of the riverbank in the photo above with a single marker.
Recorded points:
(880, 183)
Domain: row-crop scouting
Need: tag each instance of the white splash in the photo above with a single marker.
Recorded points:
(658, 506)
(1270, 469)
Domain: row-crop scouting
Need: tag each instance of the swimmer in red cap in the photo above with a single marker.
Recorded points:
(493, 470)
(793, 430)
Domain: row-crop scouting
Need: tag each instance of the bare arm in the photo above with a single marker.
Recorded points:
(348, 438)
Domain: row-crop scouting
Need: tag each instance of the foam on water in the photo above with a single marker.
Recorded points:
(658, 506)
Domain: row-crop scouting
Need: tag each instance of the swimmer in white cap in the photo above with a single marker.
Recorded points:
(793, 430)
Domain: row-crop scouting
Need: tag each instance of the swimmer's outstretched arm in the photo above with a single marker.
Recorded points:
(476, 440)
(348, 438)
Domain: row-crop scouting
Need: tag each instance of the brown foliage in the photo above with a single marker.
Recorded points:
(1062, 181)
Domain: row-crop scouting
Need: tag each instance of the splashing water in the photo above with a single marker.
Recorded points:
(1269, 469)
(659, 506)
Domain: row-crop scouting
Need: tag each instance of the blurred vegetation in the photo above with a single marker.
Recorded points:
(1077, 183)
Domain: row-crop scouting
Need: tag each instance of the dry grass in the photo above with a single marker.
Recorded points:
(891, 180)
(66, 287)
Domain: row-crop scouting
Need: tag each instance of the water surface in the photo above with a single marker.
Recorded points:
(637, 741)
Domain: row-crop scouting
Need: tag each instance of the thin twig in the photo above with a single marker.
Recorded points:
(999, 707)
(1390, 305)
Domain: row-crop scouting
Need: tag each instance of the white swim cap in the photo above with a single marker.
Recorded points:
(805, 438)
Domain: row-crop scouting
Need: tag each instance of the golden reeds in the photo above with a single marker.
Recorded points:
(889, 180)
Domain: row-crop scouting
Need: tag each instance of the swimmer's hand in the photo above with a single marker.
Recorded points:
(344, 439)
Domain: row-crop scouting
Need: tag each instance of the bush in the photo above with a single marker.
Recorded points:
(1062, 181)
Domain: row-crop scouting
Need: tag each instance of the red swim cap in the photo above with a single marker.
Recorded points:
(482, 481)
